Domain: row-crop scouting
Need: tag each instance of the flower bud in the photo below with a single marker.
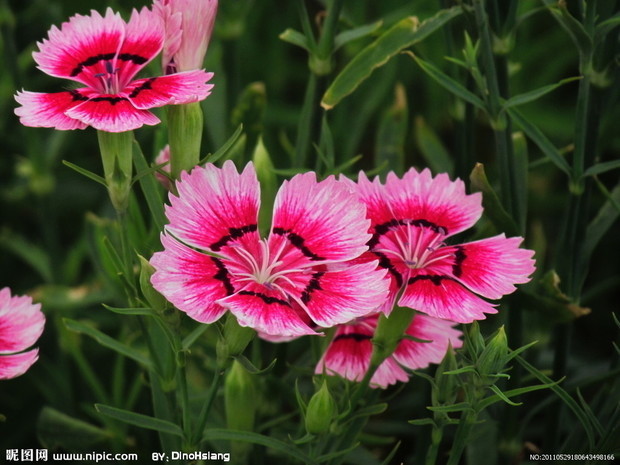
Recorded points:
(321, 411)
(117, 155)
(474, 342)
(495, 355)
(234, 340)
(240, 401)
(389, 333)
(154, 298)
(446, 385)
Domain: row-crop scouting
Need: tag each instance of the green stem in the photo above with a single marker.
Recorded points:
(305, 127)
(433, 450)
(206, 407)
(463, 432)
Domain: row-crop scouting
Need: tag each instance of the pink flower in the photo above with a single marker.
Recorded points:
(348, 354)
(21, 324)
(189, 24)
(284, 285)
(411, 219)
(104, 54)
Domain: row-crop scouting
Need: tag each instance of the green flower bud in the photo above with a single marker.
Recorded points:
(321, 411)
(474, 342)
(495, 355)
(185, 125)
(154, 298)
(266, 174)
(446, 385)
(389, 333)
(117, 155)
(240, 402)
(234, 340)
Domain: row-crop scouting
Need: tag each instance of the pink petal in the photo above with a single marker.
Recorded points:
(198, 19)
(267, 311)
(21, 322)
(12, 366)
(415, 355)
(443, 297)
(80, 49)
(337, 296)
(172, 89)
(438, 202)
(192, 281)
(144, 39)
(48, 110)
(111, 113)
(215, 207)
(174, 33)
(324, 220)
(388, 373)
(490, 267)
(348, 354)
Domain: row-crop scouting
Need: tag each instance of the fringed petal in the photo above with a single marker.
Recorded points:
(49, 110)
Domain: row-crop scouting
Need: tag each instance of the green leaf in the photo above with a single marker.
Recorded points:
(392, 134)
(460, 407)
(432, 149)
(540, 140)
(403, 34)
(339, 453)
(85, 172)
(226, 150)
(108, 341)
(30, 253)
(140, 420)
(519, 143)
(132, 311)
(250, 367)
(150, 188)
(216, 434)
(192, 337)
(356, 33)
(600, 168)
(573, 27)
(598, 227)
(535, 94)
(296, 38)
(565, 397)
(493, 208)
(605, 27)
(448, 83)
(58, 430)
(503, 396)
(515, 392)
(422, 422)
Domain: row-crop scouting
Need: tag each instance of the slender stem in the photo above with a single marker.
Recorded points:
(206, 407)
(433, 450)
(463, 432)
(305, 127)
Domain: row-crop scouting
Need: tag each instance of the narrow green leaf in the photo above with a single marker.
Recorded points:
(460, 407)
(448, 83)
(573, 27)
(605, 27)
(339, 453)
(540, 140)
(432, 149)
(493, 208)
(375, 409)
(227, 149)
(296, 38)
(150, 188)
(215, 434)
(30, 253)
(422, 422)
(535, 94)
(513, 393)
(131, 311)
(598, 227)
(356, 33)
(140, 420)
(588, 410)
(193, 336)
(251, 368)
(600, 168)
(521, 160)
(108, 341)
(403, 34)
(85, 172)
(56, 429)
(564, 396)
(503, 396)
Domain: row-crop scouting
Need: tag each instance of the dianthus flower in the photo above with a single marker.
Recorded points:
(214, 259)
(411, 219)
(21, 324)
(104, 54)
(350, 351)
(189, 24)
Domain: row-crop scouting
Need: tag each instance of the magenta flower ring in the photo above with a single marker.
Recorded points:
(104, 54)
(21, 324)
(283, 286)
(411, 219)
